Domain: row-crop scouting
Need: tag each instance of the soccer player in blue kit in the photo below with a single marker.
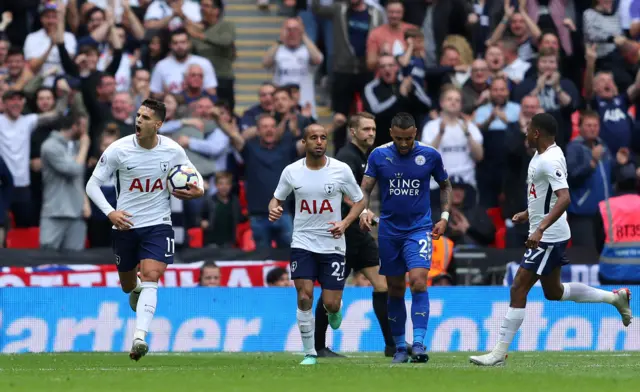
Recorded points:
(404, 168)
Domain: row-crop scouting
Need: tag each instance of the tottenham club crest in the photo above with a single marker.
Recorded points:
(294, 265)
(164, 166)
(329, 188)
(117, 260)
(420, 160)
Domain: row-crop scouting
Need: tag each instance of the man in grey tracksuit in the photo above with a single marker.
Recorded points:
(64, 154)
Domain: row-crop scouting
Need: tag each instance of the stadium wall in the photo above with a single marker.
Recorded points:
(263, 319)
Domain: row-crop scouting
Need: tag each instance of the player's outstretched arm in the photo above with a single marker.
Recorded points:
(563, 202)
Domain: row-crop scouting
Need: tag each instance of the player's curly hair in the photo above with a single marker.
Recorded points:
(545, 123)
(403, 120)
(158, 108)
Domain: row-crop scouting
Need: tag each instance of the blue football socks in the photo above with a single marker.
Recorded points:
(397, 315)
(419, 315)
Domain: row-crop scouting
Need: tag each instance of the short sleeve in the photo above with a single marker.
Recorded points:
(153, 12)
(556, 174)
(482, 114)
(439, 173)
(32, 122)
(210, 80)
(350, 187)
(372, 166)
(108, 163)
(181, 158)
(30, 50)
(284, 188)
(475, 132)
(430, 131)
(155, 85)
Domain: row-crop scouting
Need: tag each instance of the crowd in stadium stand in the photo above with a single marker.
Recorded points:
(472, 73)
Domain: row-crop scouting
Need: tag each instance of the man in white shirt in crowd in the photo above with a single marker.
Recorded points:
(40, 49)
(15, 148)
(171, 14)
(458, 141)
(168, 74)
(515, 67)
(293, 59)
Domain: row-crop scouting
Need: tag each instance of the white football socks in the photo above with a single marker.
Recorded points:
(307, 326)
(579, 292)
(510, 325)
(146, 308)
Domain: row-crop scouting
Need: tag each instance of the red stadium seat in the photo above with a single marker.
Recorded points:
(196, 237)
(248, 245)
(358, 103)
(242, 195)
(241, 229)
(575, 124)
(28, 238)
(12, 221)
(500, 241)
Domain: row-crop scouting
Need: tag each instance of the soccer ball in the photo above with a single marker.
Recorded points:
(181, 175)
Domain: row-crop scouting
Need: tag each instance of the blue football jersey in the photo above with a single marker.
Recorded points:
(404, 187)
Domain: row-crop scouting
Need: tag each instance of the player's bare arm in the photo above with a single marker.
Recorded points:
(120, 220)
(521, 217)
(445, 206)
(564, 199)
(275, 209)
(368, 183)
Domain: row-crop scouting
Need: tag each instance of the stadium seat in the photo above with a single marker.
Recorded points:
(500, 241)
(358, 103)
(242, 195)
(196, 237)
(248, 245)
(241, 229)
(12, 221)
(495, 214)
(27, 238)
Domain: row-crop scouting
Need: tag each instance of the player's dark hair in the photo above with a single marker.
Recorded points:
(588, 114)
(307, 130)
(545, 123)
(403, 120)
(158, 108)
(354, 120)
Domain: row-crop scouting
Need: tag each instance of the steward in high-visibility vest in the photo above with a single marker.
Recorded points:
(620, 255)
(440, 257)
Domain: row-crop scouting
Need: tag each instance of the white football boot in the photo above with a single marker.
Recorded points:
(622, 303)
(490, 359)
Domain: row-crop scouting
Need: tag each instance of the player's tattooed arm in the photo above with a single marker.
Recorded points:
(368, 183)
(445, 195)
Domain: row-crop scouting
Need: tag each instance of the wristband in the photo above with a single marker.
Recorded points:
(445, 216)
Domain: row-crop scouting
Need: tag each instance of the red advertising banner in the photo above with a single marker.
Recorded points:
(233, 274)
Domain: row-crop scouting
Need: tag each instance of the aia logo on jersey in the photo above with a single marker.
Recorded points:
(146, 185)
(532, 191)
(314, 208)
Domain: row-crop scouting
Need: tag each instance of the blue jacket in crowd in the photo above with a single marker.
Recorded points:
(588, 186)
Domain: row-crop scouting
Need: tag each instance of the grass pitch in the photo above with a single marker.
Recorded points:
(95, 372)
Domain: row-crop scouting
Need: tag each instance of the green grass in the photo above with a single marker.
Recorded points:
(548, 372)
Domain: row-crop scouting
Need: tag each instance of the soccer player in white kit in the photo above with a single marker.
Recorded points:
(318, 247)
(142, 219)
(548, 199)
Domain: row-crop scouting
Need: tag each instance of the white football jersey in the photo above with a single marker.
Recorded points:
(141, 177)
(319, 195)
(547, 173)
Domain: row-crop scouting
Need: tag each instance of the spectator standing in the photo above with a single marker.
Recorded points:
(168, 75)
(293, 60)
(590, 167)
(524, 31)
(493, 120)
(458, 141)
(265, 157)
(216, 42)
(382, 39)
(15, 149)
(352, 23)
(40, 48)
(65, 206)
(518, 156)
(171, 14)
(385, 96)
